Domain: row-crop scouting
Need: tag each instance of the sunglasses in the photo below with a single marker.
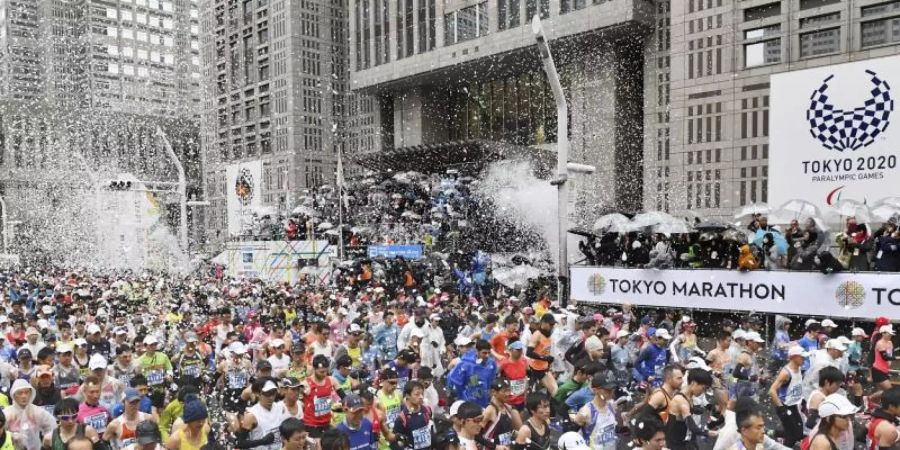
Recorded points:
(67, 417)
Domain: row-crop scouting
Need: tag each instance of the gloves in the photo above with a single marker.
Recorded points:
(268, 439)
(434, 344)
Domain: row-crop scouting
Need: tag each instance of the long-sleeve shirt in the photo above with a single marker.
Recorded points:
(28, 424)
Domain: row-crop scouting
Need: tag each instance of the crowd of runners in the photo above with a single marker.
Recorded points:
(187, 363)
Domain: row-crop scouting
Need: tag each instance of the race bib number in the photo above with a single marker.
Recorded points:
(421, 438)
(516, 388)
(607, 435)
(794, 395)
(391, 415)
(237, 380)
(125, 378)
(155, 377)
(127, 442)
(96, 421)
(505, 439)
(191, 371)
(322, 406)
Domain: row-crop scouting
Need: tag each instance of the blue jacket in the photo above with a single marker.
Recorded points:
(651, 361)
(471, 381)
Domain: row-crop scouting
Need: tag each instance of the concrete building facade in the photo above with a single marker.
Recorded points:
(669, 99)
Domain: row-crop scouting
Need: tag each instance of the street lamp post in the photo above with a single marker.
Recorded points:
(3, 217)
(182, 189)
(563, 166)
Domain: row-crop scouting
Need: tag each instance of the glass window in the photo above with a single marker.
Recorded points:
(880, 32)
(820, 42)
(111, 13)
(763, 52)
(126, 15)
(466, 24)
(112, 68)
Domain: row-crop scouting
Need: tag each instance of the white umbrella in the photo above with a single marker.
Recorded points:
(885, 212)
(332, 232)
(396, 196)
(651, 218)
(614, 223)
(325, 226)
(410, 215)
(672, 228)
(848, 208)
(752, 210)
(785, 217)
(800, 208)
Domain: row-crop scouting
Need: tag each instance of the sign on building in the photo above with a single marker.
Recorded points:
(396, 251)
(833, 134)
(243, 190)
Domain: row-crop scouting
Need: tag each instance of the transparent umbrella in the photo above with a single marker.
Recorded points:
(892, 201)
(613, 223)
(306, 211)
(800, 208)
(848, 208)
(885, 212)
(752, 210)
(651, 218)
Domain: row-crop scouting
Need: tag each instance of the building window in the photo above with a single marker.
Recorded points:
(466, 24)
(821, 42)
(508, 14)
(881, 30)
(566, 6)
(760, 47)
(426, 25)
(532, 7)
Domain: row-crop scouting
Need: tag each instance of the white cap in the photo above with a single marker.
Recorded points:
(93, 328)
(454, 408)
(739, 334)
(80, 342)
(754, 336)
(237, 348)
(354, 328)
(835, 344)
(120, 330)
(810, 322)
(593, 343)
(150, 339)
(844, 340)
(622, 333)
(64, 348)
(462, 341)
(47, 309)
(836, 404)
(887, 329)
(97, 361)
(858, 332)
(277, 343)
(828, 323)
(572, 440)
(663, 333)
(797, 351)
(697, 362)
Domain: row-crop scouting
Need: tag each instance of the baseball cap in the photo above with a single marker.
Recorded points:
(828, 323)
(42, 370)
(290, 382)
(97, 361)
(64, 348)
(572, 440)
(190, 337)
(462, 341)
(120, 330)
(499, 384)
(24, 353)
(622, 333)
(147, 432)
(93, 328)
(454, 408)
(844, 340)
(836, 345)
(131, 394)
(515, 345)
(697, 362)
(81, 341)
(836, 404)
(277, 343)
(797, 351)
(353, 402)
(858, 332)
(263, 365)
(604, 380)
(887, 329)
(388, 374)
(237, 348)
(47, 309)
(739, 334)
(528, 311)
(150, 340)
(663, 333)
(354, 328)
(754, 336)
(269, 386)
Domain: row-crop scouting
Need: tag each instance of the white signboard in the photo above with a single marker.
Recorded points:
(835, 133)
(243, 190)
(866, 295)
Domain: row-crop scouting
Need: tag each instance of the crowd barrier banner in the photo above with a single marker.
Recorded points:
(273, 261)
(396, 251)
(850, 295)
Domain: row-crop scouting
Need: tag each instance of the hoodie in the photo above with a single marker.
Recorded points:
(28, 423)
(471, 379)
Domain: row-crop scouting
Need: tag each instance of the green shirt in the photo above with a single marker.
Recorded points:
(562, 393)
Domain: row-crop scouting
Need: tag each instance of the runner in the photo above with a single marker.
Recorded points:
(786, 394)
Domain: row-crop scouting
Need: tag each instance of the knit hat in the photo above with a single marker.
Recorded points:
(194, 410)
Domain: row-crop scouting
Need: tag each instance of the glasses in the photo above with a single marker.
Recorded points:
(67, 417)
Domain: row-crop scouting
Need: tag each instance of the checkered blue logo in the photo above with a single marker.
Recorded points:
(841, 130)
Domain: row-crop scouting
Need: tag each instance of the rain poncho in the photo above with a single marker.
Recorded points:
(28, 423)
(471, 380)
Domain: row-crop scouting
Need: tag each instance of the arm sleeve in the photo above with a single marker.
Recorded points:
(812, 418)
(244, 441)
(673, 348)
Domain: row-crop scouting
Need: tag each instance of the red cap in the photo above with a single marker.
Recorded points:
(879, 321)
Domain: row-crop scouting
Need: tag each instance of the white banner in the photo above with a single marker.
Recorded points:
(274, 261)
(862, 295)
(243, 190)
(832, 133)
